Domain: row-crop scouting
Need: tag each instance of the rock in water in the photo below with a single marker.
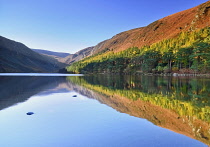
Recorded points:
(30, 113)
(175, 74)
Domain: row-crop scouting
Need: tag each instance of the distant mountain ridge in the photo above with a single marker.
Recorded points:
(67, 58)
(51, 53)
(16, 57)
(77, 56)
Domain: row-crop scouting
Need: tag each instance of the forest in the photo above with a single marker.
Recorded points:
(189, 52)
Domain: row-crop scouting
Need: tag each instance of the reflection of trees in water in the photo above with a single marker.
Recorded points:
(184, 88)
(166, 101)
(186, 96)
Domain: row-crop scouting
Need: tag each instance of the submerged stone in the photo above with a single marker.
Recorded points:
(30, 113)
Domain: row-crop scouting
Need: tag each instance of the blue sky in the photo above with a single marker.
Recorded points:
(71, 25)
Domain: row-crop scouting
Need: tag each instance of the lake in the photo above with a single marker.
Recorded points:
(101, 110)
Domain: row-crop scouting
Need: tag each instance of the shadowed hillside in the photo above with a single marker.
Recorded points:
(16, 57)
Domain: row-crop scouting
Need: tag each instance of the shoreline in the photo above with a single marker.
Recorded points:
(156, 74)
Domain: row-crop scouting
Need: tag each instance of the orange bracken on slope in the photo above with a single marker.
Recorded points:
(165, 28)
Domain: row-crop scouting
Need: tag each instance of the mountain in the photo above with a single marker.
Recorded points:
(171, 44)
(165, 28)
(16, 57)
(51, 53)
(67, 58)
(77, 56)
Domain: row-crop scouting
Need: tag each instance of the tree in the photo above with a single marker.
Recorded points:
(168, 57)
(183, 57)
(150, 60)
(201, 56)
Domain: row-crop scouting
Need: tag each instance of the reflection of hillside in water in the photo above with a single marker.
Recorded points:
(14, 90)
(180, 105)
(17, 89)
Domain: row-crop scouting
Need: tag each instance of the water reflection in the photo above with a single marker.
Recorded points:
(178, 104)
(14, 90)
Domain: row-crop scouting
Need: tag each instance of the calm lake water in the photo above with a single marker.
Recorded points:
(104, 111)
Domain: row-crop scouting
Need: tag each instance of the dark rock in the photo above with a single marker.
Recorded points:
(74, 96)
(30, 113)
